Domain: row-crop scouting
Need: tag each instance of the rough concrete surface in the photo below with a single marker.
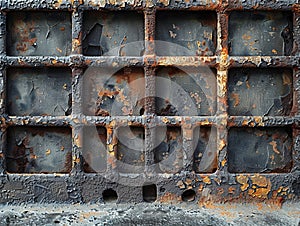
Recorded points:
(150, 214)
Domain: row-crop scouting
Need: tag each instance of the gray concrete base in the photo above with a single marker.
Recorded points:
(150, 214)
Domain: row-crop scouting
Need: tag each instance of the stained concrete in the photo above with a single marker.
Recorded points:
(150, 214)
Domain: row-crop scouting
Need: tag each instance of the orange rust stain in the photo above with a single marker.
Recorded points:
(286, 79)
(169, 198)
(243, 180)
(223, 162)
(259, 180)
(78, 141)
(77, 160)
(54, 61)
(48, 152)
(274, 145)
(58, 49)
(247, 84)
(236, 99)
(108, 93)
(261, 186)
(180, 184)
(200, 189)
(221, 145)
(274, 51)
(231, 190)
(245, 122)
(246, 37)
(206, 180)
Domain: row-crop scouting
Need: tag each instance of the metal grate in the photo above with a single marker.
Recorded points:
(132, 101)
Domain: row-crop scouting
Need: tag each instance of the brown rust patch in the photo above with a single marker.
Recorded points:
(243, 180)
(169, 197)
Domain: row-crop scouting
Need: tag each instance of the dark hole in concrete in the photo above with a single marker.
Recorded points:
(109, 196)
(188, 195)
(39, 91)
(186, 33)
(262, 33)
(38, 150)
(260, 150)
(149, 193)
(162, 189)
(94, 149)
(38, 33)
(205, 152)
(142, 111)
(130, 149)
(246, 86)
(168, 155)
(113, 33)
(108, 92)
(185, 91)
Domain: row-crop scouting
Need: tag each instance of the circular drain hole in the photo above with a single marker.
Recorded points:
(188, 195)
(109, 195)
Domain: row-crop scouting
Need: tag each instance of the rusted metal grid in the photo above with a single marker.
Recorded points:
(63, 128)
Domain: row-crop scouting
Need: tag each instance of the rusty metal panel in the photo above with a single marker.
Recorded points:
(192, 33)
(185, 91)
(260, 33)
(116, 93)
(166, 101)
(38, 150)
(94, 149)
(266, 92)
(38, 34)
(39, 91)
(130, 149)
(113, 34)
(257, 150)
(168, 155)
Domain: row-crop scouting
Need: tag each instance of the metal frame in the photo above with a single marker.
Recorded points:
(220, 186)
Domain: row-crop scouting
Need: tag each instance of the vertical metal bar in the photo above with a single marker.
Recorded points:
(77, 32)
(2, 33)
(77, 137)
(149, 32)
(222, 79)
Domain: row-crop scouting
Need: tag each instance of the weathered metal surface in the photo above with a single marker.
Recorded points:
(194, 33)
(38, 34)
(260, 33)
(259, 150)
(168, 155)
(111, 92)
(208, 171)
(265, 92)
(184, 91)
(117, 34)
(130, 149)
(94, 149)
(205, 152)
(39, 91)
(38, 150)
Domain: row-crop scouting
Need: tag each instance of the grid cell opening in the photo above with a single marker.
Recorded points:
(94, 151)
(168, 154)
(186, 91)
(260, 150)
(38, 33)
(38, 91)
(260, 92)
(261, 33)
(111, 92)
(186, 33)
(130, 152)
(38, 150)
(113, 33)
